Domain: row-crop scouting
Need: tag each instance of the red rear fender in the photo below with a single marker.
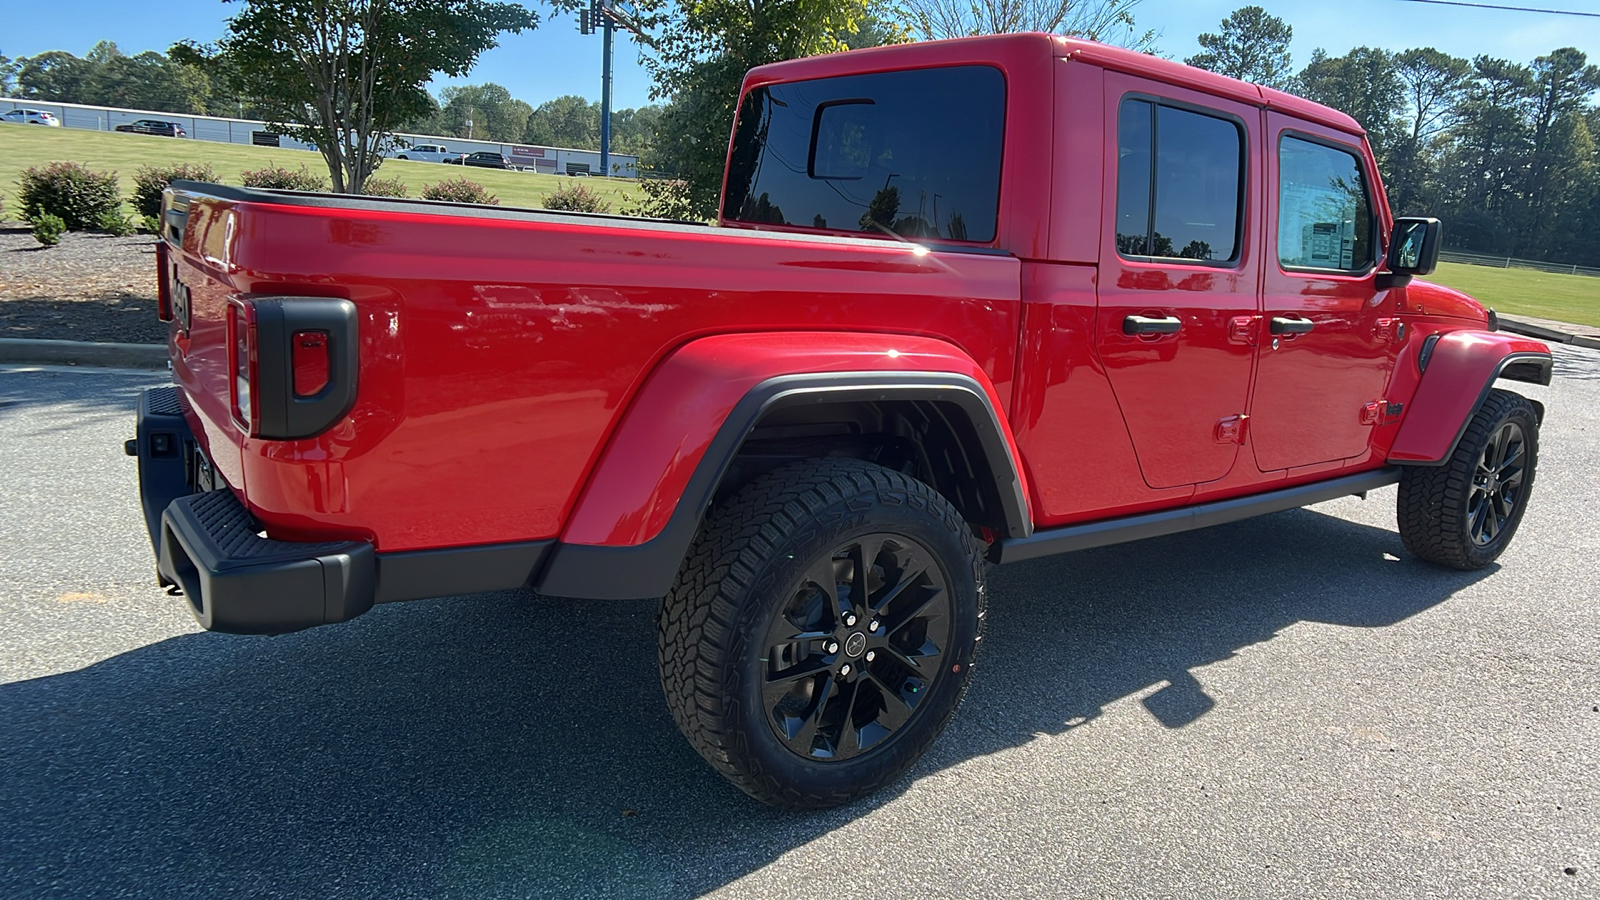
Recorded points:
(1460, 369)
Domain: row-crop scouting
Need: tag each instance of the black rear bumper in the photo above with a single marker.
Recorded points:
(209, 546)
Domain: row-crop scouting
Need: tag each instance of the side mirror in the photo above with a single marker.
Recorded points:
(1413, 250)
(1414, 246)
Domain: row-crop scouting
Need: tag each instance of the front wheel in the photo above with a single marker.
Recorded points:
(1464, 513)
(822, 630)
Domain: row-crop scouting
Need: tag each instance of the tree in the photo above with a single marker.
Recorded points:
(1561, 167)
(8, 75)
(495, 114)
(704, 47)
(1364, 84)
(54, 75)
(341, 74)
(1109, 21)
(1434, 84)
(1252, 46)
(567, 121)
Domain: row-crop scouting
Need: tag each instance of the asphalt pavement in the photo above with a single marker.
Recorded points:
(1285, 707)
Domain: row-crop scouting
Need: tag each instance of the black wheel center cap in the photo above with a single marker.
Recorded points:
(855, 645)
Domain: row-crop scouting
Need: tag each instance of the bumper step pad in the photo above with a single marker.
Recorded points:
(241, 582)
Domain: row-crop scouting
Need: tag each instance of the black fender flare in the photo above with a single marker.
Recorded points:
(649, 569)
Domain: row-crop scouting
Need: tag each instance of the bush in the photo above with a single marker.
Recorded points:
(576, 198)
(78, 197)
(384, 187)
(283, 179)
(150, 181)
(663, 198)
(460, 190)
(150, 224)
(47, 229)
(115, 221)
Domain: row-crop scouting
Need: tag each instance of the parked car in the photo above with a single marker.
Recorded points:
(484, 159)
(154, 126)
(1089, 296)
(31, 117)
(437, 153)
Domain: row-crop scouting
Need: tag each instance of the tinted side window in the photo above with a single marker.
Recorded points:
(1324, 208)
(1179, 180)
(913, 153)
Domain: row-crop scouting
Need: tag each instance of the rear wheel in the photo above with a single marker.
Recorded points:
(1464, 513)
(822, 630)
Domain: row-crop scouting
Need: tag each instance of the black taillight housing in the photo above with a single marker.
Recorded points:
(294, 364)
(163, 281)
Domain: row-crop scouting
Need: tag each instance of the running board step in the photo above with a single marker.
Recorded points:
(1188, 518)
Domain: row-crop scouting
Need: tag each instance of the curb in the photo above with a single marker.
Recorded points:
(83, 353)
(1548, 334)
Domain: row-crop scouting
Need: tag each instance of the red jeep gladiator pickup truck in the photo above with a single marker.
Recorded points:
(969, 302)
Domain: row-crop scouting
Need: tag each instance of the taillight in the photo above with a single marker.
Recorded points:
(293, 364)
(309, 350)
(242, 356)
(163, 282)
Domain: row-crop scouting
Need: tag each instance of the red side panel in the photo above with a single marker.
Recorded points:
(676, 414)
(1460, 369)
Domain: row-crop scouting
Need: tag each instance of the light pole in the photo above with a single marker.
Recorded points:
(606, 18)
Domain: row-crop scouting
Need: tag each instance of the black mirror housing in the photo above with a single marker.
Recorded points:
(1414, 246)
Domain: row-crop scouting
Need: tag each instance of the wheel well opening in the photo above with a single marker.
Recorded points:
(930, 440)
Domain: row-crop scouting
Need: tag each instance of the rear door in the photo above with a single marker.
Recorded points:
(1329, 337)
(1179, 275)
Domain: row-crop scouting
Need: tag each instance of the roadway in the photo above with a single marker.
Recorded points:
(1285, 707)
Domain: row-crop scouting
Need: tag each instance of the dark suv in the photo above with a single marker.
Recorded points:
(483, 159)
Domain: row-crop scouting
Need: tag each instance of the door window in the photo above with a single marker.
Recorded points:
(1179, 183)
(1324, 208)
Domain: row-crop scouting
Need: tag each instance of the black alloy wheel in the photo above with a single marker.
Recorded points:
(1497, 485)
(822, 630)
(1464, 512)
(853, 652)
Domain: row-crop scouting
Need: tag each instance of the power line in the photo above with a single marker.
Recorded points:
(1532, 9)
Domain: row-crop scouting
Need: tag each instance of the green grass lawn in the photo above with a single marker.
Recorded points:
(1565, 298)
(23, 146)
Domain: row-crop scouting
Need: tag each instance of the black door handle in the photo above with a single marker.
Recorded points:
(1146, 325)
(1291, 326)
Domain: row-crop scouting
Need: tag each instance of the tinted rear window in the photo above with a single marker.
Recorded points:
(914, 153)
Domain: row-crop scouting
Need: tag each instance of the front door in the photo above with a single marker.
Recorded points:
(1177, 295)
(1328, 337)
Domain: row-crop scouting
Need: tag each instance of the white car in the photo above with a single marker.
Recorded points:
(428, 153)
(31, 117)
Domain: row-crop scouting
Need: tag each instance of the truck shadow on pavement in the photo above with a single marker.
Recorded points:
(515, 745)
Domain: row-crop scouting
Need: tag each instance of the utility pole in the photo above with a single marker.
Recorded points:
(607, 29)
(603, 16)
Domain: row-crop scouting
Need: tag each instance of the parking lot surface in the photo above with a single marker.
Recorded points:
(1285, 707)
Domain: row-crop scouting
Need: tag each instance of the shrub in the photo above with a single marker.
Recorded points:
(576, 198)
(662, 198)
(283, 179)
(150, 224)
(115, 221)
(460, 190)
(78, 197)
(47, 229)
(150, 181)
(384, 187)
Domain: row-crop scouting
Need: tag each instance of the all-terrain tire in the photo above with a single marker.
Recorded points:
(1442, 509)
(750, 561)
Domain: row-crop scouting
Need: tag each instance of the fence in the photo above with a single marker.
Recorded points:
(548, 160)
(1511, 262)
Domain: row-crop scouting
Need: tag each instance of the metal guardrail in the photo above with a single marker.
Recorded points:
(1511, 262)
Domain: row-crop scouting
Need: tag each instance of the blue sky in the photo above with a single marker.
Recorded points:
(555, 59)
